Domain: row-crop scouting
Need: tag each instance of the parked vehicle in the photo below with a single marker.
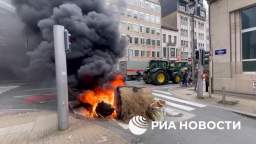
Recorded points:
(133, 70)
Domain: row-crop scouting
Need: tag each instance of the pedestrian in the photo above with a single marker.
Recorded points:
(184, 78)
(206, 81)
(189, 79)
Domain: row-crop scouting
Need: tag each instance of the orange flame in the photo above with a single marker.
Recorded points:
(101, 94)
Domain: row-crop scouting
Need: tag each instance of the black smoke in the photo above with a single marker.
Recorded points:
(96, 43)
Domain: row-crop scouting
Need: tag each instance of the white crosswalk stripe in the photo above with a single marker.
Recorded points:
(162, 92)
(6, 88)
(176, 102)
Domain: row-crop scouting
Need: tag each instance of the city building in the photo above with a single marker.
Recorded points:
(170, 49)
(233, 45)
(178, 15)
(141, 26)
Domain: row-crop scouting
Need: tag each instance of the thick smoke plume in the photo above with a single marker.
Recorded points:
(96, 43)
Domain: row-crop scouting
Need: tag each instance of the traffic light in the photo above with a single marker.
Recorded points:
(206, 58)
(197, 54)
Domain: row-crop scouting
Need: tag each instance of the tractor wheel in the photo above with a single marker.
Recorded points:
(177, 79)
(160, 78)
(146, 78)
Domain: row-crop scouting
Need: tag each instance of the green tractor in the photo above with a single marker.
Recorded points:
(160, 72)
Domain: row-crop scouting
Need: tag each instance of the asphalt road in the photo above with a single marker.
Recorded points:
(22, 97)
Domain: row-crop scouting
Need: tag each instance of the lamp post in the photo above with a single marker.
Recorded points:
(191, 5)
(60, 47)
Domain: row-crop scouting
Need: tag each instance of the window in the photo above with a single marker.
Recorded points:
(158, 54)
(148, 41)
(136, 40)
(172, 52)
(153, 54)
(158, 43)
(153, 42)
(130, 39)
(248, 39)
(169, 38)
(142, 41)
(175, 39)
(147, 30)
(141, 29)
(137, 53)
(164, 52)
(153, 31)
(142, 53)
(164, 38)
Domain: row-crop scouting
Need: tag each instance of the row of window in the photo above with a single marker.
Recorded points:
(139, 28)
(145, 4)
(169, 39)
(201, 45)
(141, 16)
(143, 41)
(184, 43)
(141, 53)
(201, 36)
(185, 21)
(184, 32)
(169, 52)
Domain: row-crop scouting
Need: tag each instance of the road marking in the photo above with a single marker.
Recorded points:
(23, 96)
(40, 89)
(178, 106)
(179, 100)
(163, 92)
(123, 125)
(6, 88)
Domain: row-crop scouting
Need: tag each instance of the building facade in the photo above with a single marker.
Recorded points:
(233, 45)
(170, 40)
(177, 14)
(141, 26)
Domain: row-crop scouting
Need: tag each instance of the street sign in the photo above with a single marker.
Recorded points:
(221, 52)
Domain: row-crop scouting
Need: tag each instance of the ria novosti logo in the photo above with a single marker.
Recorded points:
(138, 125)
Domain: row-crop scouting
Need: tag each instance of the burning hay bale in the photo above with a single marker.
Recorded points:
(132, 101)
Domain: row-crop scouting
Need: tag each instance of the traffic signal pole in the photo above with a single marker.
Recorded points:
(61, 76)
(200, 84)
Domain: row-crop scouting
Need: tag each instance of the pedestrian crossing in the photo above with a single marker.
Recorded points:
(176, 103)
(4, 89)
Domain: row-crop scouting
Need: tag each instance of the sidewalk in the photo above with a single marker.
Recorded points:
(41, 128)
(245, 106)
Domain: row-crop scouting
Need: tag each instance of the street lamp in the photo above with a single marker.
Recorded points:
(61, 45)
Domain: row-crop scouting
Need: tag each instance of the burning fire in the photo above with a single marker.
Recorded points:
(100, 95)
